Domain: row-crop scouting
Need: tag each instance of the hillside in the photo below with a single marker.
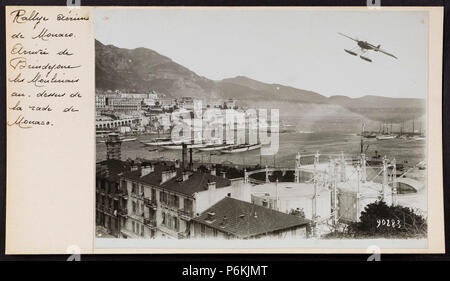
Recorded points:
(141, 70)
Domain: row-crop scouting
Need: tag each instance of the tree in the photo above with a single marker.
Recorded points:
(379, 219)
(297, 212)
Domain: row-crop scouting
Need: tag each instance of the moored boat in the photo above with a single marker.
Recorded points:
(180, 146)
(419, 138)
(162, 141)
(241, 148)
(216, 147)
(385, 137)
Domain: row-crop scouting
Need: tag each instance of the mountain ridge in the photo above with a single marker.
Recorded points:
(142, 69)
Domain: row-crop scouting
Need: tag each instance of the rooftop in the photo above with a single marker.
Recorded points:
(113, 167)
(197, 181)
(245, 220)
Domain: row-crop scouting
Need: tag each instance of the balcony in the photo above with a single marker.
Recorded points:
(185, 214)
(137, 195)
(120, 193)
(123, 212)
(151, 203)
(169, 207)
(182, 235)
(150, 222)
(109, 211)
(137, 217)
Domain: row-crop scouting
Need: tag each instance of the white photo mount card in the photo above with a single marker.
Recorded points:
(224, 130)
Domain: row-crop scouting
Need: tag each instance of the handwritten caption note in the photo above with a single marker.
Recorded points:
(45, 65)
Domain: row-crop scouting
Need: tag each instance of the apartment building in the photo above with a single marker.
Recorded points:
(111, 200)
(163, 198)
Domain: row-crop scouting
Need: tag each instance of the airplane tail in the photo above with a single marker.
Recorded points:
(378, 47)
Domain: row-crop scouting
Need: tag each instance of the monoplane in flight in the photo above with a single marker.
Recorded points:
(363, 47)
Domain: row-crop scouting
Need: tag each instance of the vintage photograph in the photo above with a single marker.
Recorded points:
(258, 123)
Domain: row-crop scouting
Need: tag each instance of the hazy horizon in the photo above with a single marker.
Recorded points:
(317, 64)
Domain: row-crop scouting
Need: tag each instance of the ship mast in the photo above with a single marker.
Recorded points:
(362, 137)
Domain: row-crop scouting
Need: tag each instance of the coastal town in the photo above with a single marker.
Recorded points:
(259, 133)
(181, 197)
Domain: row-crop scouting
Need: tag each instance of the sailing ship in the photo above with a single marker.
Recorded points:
(216, 147)
(180, 146)
(121, 139)
(385, 135)
(242, 148)
(162, 141)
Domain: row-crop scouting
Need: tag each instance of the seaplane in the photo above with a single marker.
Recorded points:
(364, 47)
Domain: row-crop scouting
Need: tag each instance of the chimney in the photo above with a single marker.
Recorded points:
(146, 168)
(183, 155)
(134, 166)
(212, 185)
(190, 158)
(113, 144)
(185, 176)
(211, 216)
(224, 221)
(168, 175)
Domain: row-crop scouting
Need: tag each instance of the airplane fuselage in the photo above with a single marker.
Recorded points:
(365, 45)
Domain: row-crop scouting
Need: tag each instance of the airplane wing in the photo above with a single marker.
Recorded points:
(348, 37)
(386, 53)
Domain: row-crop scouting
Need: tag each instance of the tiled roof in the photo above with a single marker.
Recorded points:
(114, 168)
(152, 178)
(197, 181)
(245, 219)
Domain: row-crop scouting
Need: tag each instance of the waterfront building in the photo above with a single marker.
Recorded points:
(125, 104)
(100, 102)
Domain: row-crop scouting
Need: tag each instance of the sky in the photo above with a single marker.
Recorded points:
(286, 46)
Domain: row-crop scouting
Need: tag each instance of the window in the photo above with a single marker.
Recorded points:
(202, 230)
(176, 224)
(176, 201)
(165, 197)
(132, 223)
(215, 232)
(142, 230)
(187, 205)
(134, 188)
(134, 207)
(153, 194)
(293, 232)
(163, 218)
(161, 196)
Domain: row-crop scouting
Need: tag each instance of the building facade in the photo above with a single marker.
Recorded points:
(110, 199)
(164, 198)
